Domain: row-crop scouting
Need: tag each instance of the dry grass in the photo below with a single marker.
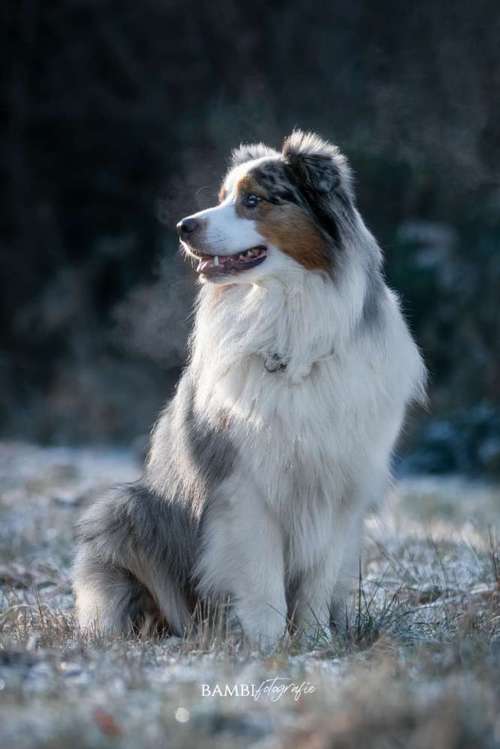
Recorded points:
(416, 666)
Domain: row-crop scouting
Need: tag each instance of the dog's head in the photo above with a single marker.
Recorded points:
(278, 212)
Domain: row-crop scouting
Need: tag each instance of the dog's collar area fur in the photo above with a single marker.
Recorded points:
(278, 363)
(275, 362)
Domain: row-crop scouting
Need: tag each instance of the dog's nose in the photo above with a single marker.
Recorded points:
(187, 226)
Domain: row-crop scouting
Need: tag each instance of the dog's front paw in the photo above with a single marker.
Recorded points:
(315, 636)
(264, 627)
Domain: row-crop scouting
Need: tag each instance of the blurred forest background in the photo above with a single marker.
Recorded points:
(119, 118)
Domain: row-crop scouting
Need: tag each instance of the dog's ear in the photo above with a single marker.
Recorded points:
(316, 164)
(249, 152)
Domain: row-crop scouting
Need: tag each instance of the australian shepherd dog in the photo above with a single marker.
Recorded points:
(280, 434)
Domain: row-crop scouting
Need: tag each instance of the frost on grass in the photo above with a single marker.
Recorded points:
(416, 666)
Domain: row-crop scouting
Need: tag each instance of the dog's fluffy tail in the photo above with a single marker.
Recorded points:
(131, 571)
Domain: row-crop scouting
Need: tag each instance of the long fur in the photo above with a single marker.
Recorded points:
(257, 481)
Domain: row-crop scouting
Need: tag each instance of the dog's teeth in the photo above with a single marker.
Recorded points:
(251, 253)
(216, 260)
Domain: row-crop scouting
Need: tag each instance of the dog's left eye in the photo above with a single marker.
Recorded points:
(250, 200)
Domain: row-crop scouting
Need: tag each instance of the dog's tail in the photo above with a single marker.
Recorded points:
(133, 563)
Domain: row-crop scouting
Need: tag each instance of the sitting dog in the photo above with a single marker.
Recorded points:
(280, 434)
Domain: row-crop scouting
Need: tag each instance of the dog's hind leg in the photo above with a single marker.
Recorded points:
(109, 599)
(125, 577)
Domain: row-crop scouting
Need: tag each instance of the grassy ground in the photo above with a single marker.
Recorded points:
(419, 667)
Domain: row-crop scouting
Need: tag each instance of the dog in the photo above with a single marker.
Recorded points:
(280, 434)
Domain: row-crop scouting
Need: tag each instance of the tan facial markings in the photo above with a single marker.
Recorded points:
(290, 229)
(285, 226)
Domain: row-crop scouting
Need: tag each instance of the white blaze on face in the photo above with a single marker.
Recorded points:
(225, 232)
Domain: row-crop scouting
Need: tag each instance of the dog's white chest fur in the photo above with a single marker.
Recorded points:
(314, 437)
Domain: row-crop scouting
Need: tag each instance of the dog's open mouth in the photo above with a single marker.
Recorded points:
(222, 265)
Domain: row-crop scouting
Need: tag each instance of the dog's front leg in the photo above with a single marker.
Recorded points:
(323, 597)
(243, 557)
(314, 603)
